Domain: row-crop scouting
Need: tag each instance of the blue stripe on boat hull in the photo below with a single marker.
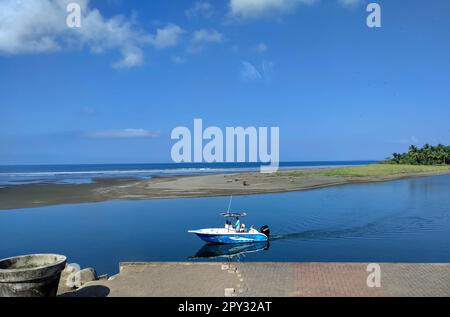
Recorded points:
(230, 238)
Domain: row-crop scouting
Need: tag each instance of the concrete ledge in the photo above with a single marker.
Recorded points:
(269, 279)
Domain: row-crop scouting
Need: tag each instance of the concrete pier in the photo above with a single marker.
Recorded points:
(182, 279)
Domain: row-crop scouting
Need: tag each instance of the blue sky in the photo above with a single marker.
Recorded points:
(113, 90)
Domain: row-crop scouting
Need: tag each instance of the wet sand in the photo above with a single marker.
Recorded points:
(38, 195)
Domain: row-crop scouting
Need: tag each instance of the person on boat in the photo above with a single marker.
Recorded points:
(237, 225)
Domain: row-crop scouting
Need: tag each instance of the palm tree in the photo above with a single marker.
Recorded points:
(413, 148)
(441, 154)
(396, 157)
(427, 155)
(414, 154)
(447, 150)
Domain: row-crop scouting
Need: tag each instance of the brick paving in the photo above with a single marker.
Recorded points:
(271, 280)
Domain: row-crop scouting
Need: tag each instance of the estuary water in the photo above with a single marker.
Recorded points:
(399, 221)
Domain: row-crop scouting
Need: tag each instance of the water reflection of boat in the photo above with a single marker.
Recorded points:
(230, 251)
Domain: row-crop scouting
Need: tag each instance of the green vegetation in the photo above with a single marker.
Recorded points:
(426, 160)
(427, 155)
(372, 170)
(383, 170)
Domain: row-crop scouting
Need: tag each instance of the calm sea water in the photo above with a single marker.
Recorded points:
(79, 174)
(398, 221)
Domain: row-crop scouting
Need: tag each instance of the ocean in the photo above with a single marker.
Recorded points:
(79, 174)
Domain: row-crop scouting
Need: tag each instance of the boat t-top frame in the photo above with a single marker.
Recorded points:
(230, 214)
(233, 214)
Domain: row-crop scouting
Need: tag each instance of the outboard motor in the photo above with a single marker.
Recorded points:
(265, 230)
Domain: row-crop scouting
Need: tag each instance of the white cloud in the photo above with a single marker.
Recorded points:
(28, 27)
(123, 134)
(200, 9)
(207, 36)
(262, 47)
(131, 57)
(178, 60)
(167, 37)
(203, 37)
(250, 72)
(349, 3)
(31, 27)
(267, 67)
(253, 9)
(248, 9)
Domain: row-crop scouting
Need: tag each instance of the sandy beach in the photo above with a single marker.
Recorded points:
(246, 183)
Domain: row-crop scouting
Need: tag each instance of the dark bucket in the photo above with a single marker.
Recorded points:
(35, 275)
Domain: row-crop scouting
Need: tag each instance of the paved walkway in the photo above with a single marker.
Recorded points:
(270, 280)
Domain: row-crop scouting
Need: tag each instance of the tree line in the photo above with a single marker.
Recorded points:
(427, 155)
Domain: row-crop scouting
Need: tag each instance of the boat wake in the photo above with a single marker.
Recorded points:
(373, 230)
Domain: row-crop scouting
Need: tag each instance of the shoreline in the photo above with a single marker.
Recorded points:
(211, 185)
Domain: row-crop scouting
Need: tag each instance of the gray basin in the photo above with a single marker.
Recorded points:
(35, 275)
